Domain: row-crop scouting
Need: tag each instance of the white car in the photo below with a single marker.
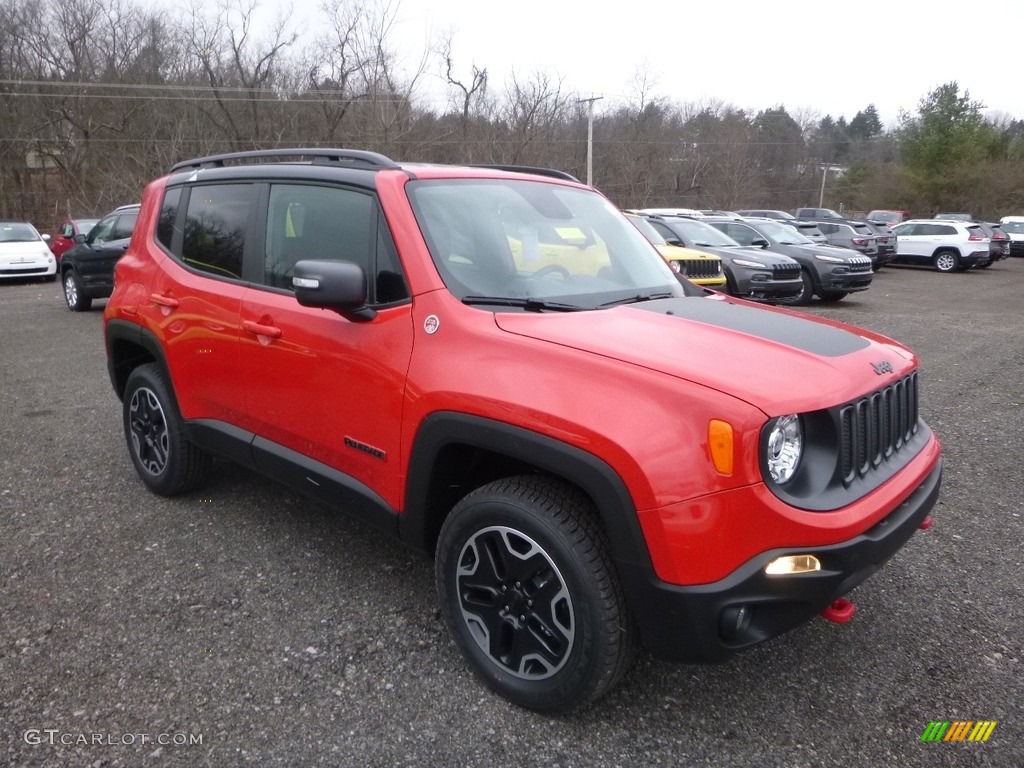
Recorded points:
(949, 246)
(24, 252)
(1014, 227)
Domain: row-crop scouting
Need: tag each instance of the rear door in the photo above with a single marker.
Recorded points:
(195, 299)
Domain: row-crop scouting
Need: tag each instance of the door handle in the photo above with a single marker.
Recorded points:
(164, 301)
(270, 331)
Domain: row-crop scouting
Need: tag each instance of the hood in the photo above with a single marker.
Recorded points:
(805, 253)
(14, 251)
(777, 360)
(677, 252)
(754, 254)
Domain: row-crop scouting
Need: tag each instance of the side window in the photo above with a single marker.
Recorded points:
(101, 233)
(124, 226)
(215, 228)
(67, 231)
(168, 214)
(827, 229)
(945, 229)
(313, 222)
(333, 224)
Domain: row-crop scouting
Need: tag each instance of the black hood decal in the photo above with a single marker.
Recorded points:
(806, 335)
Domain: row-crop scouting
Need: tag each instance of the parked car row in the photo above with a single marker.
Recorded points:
(767, 259)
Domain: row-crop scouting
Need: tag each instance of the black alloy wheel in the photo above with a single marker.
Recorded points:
(165, 460)
(530, 594)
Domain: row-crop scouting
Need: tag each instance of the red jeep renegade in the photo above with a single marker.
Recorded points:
(495, 366)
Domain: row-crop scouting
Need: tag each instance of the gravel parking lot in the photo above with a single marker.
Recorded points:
(245, 625)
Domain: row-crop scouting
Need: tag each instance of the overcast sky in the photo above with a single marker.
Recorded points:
(827, 57)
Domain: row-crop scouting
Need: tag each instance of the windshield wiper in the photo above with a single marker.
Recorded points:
(636, 298)
(530, 304)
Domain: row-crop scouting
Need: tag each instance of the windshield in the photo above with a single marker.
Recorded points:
(14, 232)
(536, 245)
(885, 216)
(84, 225)
(780, 233)
(697, 233)
(1015, 227)
(647, 229)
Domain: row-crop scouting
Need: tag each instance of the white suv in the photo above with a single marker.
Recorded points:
(947, 245)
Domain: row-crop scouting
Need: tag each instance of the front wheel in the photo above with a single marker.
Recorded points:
(529, 592)
(73, 293)
(806, 291)
(165, 460)
(830, 296)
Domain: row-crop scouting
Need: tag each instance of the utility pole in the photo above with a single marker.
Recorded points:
(824, 174)
(590, 137)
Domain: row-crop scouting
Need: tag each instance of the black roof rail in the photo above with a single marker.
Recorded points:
(348, 157)
(552, 172)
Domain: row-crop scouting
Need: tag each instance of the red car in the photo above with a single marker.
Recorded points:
(65, 237)
(495, 366)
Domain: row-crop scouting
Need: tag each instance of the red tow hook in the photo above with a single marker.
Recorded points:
(841, 611)
(926, 523)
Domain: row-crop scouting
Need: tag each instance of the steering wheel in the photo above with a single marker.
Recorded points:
(551, 270)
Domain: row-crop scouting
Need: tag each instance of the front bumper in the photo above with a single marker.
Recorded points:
(698, 623)
(849, 282)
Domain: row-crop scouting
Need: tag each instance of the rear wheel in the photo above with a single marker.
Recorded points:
(529, 592)
(73, 293)
(946, 261)
(165, 460)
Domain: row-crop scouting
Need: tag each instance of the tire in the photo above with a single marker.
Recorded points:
(946, 261)
(831, 296)
(986, 265)
(541, 618)
(73, 293)
(165, 460)
(805, 295)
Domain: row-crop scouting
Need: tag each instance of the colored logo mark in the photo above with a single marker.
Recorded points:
(958, 730)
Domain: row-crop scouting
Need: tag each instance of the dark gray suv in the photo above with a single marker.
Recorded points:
(826, 270)
(751, 273)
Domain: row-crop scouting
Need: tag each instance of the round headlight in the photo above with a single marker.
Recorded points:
(674, 266)
(784, 448)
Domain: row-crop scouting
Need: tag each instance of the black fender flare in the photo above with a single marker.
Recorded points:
(418, 524)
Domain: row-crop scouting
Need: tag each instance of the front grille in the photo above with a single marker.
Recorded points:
(860, 264)
(875, 427)
(785, 271)
(1017, 247)
(700, 267)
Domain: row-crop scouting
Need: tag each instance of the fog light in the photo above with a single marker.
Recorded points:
(791, 564)
(734, 620)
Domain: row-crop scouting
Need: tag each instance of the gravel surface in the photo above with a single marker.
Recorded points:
(247, 626)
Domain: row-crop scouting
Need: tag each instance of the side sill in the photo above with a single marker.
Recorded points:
(312, 478)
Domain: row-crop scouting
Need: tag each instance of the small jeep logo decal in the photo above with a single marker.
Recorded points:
(883, 366)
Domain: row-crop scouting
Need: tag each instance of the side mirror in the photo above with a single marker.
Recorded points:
(46, 238)
(337, 285)
(675, 241)
(759, 242)
(80, 237)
